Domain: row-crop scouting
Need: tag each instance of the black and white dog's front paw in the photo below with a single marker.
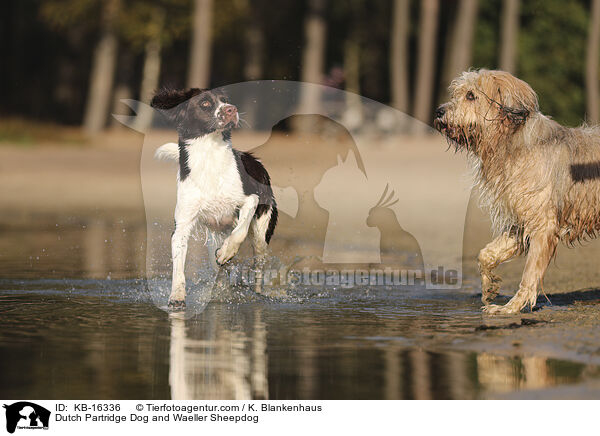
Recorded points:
(176, 304)
(227, 251)
(177, 298)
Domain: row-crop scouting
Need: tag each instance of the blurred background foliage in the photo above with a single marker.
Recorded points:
(552, 55)
(55, 54)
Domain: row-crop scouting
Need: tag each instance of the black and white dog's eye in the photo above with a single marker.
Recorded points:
(470, 96)
(205, 103)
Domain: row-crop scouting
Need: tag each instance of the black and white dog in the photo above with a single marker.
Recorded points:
(225, 191)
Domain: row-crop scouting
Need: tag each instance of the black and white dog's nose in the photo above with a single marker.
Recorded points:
(228, 113)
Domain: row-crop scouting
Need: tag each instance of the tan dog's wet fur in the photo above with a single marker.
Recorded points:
(540, 181)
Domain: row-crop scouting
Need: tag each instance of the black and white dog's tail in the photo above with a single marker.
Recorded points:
(168, 151)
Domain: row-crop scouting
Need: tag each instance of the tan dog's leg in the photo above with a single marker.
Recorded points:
(542, 246)
(501, 249)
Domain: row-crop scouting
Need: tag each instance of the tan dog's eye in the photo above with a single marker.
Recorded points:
(470, 96)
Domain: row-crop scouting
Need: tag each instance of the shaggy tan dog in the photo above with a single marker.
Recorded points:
(539, 180)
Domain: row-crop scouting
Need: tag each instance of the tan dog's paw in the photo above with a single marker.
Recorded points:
(489, 296)
(496, 309)
(490, 287)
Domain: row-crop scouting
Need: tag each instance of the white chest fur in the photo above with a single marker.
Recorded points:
(213, 185)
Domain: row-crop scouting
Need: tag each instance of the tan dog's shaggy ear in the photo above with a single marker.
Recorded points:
(516, 100)
(516, 116)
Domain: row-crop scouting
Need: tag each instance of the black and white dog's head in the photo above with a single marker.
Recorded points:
(196, 112)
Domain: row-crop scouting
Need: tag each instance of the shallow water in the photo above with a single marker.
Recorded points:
(99, 335)
(105, 339)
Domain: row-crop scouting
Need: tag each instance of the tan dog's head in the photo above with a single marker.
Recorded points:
(486, 107)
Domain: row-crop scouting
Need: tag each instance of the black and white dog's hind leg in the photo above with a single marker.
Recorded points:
(257, 183)
(262, 229)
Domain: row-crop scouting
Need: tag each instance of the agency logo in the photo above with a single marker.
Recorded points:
(26, 415)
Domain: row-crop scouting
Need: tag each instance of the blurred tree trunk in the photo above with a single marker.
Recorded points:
(353, 114)
(254, 62)
(255, 48)
(122, 92)
(428, 27)
(151, 71)
(510, 35)
(103, 69)
(399, 55)
(123, 87)
(591, 76)
(315, 30)
(200, 52)
(458, 58)
(150, 77)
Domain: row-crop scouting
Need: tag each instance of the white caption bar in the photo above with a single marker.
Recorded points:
(297, 417)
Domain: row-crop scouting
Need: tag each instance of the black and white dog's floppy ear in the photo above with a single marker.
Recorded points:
(166, 99)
